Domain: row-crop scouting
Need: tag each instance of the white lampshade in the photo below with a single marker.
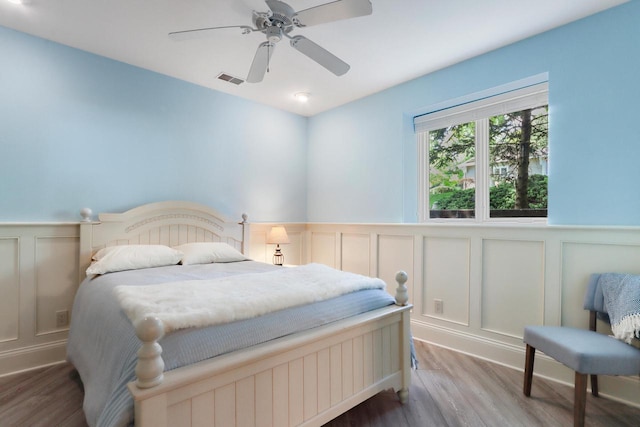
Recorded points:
(278, 235)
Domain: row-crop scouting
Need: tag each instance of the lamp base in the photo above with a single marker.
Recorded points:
(278, 257)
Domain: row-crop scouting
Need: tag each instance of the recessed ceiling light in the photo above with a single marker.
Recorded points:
(16, 1)
(301, 97)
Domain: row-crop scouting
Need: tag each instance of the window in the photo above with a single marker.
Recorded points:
(486, 159)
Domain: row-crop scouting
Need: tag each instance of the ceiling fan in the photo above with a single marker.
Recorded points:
(279, 21)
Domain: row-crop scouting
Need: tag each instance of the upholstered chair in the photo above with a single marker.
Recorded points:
(587, 352)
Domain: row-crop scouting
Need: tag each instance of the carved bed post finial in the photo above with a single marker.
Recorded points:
(86, 213)
(150, 367)
(402, 296)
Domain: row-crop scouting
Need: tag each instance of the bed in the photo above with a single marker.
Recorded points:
(299, 365)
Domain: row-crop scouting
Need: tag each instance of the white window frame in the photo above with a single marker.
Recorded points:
(478, 111)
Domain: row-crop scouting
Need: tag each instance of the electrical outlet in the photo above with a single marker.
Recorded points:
(438, 306)
(62, 318)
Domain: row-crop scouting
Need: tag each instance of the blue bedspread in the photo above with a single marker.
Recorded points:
(102, 342)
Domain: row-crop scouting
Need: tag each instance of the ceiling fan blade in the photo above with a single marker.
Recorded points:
(276, 5)
(319, 54)
(205, 32)
(260, 62)
(334, 11)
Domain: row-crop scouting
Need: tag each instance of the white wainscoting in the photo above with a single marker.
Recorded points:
(38, 277)
(492, 280)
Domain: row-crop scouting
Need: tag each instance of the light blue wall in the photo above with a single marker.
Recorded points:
(81, 130)
(362, 156)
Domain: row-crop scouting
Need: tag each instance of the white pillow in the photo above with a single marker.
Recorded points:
(132, 257)
(208, 252)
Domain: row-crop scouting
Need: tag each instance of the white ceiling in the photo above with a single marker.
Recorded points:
(401, 40)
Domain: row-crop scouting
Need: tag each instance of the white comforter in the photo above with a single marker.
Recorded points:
(198, 303)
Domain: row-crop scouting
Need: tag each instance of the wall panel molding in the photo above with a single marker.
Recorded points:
(39, 275)
(323, 248)
(493, 280)
(356, 253)
(55, 280)
(395, 252)
(512, 285)
(10, 287)
(600, 256)
(446, 273)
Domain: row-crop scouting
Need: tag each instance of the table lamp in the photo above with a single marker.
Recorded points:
(276, 236)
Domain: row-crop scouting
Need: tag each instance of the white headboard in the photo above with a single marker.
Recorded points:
(164, 223)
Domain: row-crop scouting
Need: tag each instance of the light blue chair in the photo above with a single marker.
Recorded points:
(587, 352)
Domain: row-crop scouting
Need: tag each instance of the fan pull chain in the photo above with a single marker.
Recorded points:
(268, 56)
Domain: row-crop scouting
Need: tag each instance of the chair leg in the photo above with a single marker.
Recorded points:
(594, 385)
(580, 399)
(528, 370)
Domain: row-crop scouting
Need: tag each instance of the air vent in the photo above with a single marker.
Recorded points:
(230, 79)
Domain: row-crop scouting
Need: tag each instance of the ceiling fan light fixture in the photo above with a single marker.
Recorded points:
(274, 34)
(302, 97)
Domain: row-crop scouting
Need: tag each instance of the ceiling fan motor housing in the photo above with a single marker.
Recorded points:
(281, 12)
(278, 20)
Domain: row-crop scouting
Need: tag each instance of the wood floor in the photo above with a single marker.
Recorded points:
(449, 389)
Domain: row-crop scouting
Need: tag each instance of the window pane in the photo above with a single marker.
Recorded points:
(452, 171)
(518, 160)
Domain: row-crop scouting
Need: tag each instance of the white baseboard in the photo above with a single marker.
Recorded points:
(33, 357)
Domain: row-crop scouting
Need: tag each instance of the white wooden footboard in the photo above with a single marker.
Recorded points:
(306, 379)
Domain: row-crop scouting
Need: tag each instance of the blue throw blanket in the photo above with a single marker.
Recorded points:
(622, 301)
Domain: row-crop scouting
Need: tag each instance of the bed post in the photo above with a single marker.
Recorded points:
(402, 299)
(150, 367)
(244, 223)
(86, 241)
(402, 296)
